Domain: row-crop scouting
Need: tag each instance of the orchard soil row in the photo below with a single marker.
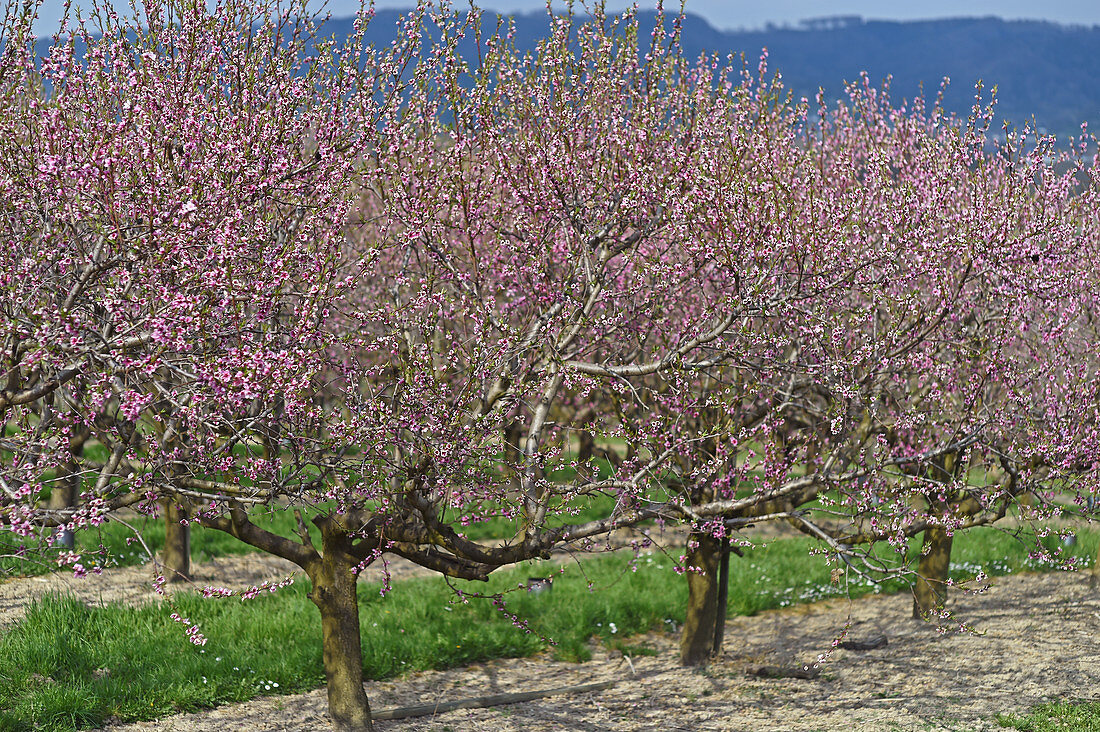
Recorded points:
(1038, 638)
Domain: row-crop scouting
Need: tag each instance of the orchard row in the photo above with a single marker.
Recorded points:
(415, 288)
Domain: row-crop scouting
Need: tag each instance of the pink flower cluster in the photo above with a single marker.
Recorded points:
(190, 629)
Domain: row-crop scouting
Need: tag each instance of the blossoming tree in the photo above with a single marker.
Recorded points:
(187, 286)
(966, 388)
(174, 191)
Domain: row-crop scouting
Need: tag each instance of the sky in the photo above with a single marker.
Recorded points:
(751, 14)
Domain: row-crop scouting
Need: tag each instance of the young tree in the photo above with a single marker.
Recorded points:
(992, 290)
(915, 396)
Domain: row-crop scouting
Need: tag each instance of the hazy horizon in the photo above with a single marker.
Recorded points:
(739, 14)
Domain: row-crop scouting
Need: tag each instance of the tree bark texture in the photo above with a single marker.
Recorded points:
(698, 637)
(586, 445)
(723, 595)
(930, 589)
(177, 543)
(334, 595)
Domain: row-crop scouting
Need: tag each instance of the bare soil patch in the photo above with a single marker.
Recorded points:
(1039, 640)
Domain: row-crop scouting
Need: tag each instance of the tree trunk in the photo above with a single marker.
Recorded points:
(697, 640)
(334, 595)
(586, 444)
(177, 543)
(930, 589)
(513, 438)
(1094, 578)
(723, 596)
(333, 577)
(66, 489)
(63, 495)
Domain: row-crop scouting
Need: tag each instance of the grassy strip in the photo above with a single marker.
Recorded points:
(1063, 716)
(67, 666)
(112, 544)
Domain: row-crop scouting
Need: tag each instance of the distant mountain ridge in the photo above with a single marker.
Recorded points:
(1041, 69)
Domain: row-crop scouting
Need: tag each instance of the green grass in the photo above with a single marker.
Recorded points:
(1063, 716)
(112, 544)
(67, 666)
(579, 510)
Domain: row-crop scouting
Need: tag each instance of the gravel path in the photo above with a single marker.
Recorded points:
(1039, 640)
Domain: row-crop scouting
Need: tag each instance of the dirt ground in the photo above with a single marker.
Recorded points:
(1039, 638)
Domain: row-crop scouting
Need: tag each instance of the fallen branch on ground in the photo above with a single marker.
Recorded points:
(481, 702)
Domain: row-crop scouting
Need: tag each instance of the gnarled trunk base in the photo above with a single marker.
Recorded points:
(723, 595)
